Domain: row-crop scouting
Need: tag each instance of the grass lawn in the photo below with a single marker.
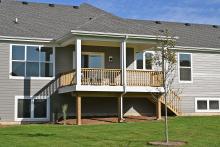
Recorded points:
(197, 131)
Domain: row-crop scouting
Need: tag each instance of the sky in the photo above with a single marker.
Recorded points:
(191, 11)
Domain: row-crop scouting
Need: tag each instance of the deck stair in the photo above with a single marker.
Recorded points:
(173, 102)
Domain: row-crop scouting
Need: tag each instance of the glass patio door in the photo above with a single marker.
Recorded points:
(92, 60)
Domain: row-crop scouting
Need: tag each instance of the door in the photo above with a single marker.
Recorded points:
(92, 60)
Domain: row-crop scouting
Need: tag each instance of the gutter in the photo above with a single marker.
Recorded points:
(26, 39)
(121, 35)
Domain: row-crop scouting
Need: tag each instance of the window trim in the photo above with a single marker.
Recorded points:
(96, 53)
(32, 78)
(207, 99)
(180, 81)
(143, 55)
(32, 109)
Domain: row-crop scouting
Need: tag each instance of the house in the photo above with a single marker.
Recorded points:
(97, 63)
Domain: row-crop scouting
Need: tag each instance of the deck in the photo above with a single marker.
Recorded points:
(113, 77)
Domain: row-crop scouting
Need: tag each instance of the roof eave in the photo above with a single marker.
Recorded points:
(26, 39)
(121, 35)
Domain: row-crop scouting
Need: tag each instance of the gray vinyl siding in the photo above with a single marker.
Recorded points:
(9, 88)
(206, 83)
(64, 59)
(206, 80)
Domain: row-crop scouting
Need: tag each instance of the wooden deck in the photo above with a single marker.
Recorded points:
(113, 77)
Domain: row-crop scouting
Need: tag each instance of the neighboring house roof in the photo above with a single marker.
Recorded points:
(41, 21)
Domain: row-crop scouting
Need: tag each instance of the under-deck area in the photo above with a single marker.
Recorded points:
(85, 105)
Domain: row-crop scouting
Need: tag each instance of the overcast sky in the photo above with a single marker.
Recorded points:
(193, 11)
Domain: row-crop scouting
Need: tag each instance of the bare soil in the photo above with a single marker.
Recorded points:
(170, 143)
(3, 126)
(107, 120)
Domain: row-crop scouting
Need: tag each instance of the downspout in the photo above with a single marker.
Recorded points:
(124, 79)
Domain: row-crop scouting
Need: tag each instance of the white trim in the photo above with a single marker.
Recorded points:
(25, 60)
(28, 39)
(207, 99)
(78, 50)
(110, 88)
(189, 48)
(190, 67)
(121, 35)
(54, 62)
(32, 109)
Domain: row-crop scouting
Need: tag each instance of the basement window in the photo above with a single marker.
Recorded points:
(28, 108)
(32, 61)
(207, 104)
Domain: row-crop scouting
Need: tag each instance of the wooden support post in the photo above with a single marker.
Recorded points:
(120, 109)
(158, 109)
(78, 110)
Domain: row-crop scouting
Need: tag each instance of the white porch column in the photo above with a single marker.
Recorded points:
(78, 60)
(123, 62)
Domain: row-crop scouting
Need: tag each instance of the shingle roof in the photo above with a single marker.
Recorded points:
(192, 35)
(41, 21)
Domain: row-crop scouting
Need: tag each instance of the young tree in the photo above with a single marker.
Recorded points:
(165, 58)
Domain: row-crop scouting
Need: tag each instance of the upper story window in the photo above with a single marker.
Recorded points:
(185, 67)
(144, 60)
(31, 61)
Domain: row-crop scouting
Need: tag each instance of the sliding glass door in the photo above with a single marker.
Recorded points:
(92, 60)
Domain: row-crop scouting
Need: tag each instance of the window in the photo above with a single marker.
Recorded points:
(32, 61)
(92, 60)
(28, 108)
(185, 67)
(24, 108)
(144, 60)
(148, 60)
(139, 60)
(207, 105)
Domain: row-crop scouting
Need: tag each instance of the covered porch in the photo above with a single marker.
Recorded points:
(113, 60)
(111, 65)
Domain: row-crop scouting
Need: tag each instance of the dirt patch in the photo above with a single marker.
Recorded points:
(107, 120)
(3, 126)
(170, 143)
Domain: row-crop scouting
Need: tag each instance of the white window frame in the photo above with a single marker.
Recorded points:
(143, 55)
(96, 53)
(25, 60)
(180, 81)
(32, 109)
(208, 109)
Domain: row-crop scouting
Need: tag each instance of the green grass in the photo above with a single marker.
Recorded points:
(197, 131)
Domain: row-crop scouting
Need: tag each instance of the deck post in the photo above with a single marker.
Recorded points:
(120, 109)
(78, 110)
(158, 109)
(78, 43)
(123, 62)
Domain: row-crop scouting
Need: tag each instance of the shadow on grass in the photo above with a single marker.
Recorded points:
(32, 134)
